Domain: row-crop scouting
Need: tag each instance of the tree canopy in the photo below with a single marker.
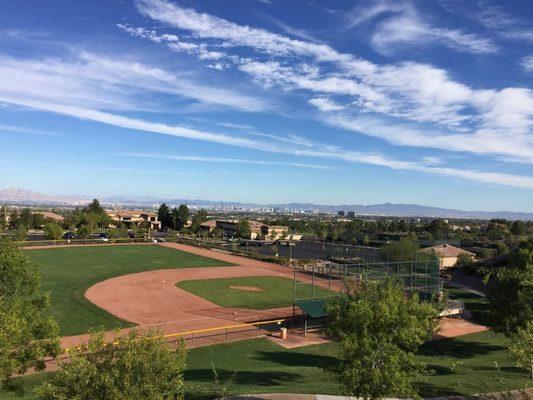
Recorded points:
(380, 328)
(27, 334)
(510, 291)
(243, 229)
(133, 367)
(164, 216)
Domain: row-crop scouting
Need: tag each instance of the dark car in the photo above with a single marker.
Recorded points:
(69, 235)
(132, 235)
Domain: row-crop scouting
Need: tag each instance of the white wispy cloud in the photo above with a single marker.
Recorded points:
(495, 18)
(325, 104)
(451, 114)
(527, 63)
(31, 131)
(100, 81)
(405, 27)
(205, 159)
(315, 150)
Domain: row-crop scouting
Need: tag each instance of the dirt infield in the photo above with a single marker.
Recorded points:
(151, 299)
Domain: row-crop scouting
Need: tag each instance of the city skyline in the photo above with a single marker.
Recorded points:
(271, 102)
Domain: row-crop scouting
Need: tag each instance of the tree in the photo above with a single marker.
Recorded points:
(380, 329)
(522, 348)
(518, 228)
(27, 334)
(522, 257)
(53, 231)
(198, 219)
(94, 207)
(464, 260)
(133, 367)
(509, 296)
(163, 215)
(38, 220)
(13, 219)
(182, 216)
(402, 250)
(84, 231)
(243, 229)
(3, 217)
(25, 219)
(20, 234)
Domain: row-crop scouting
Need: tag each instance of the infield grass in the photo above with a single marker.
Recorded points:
(68, 272)
(274, 292)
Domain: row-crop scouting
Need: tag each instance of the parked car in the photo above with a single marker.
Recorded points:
(103, 237)
(132, 235)
(69, 235)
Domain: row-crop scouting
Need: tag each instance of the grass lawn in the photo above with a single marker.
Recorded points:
(264, 367)
(274, 291)
(475, 304)
(68, 272)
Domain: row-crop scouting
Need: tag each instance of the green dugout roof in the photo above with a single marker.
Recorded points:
(313, 308)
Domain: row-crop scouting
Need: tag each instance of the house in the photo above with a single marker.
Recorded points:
(136, 218)
(257, 229)
(447, 254)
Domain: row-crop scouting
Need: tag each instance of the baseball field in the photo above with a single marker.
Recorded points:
(179, 287)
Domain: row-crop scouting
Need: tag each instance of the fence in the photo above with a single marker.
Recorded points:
(221, 334)
(73, 242)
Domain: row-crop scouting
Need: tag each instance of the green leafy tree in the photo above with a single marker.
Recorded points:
(94, 207)
(164, 216)
(4, 214)
(509, 295)
(522, 257)
(182, 216)
(197, 220)
(402, 250)
(13, 219)
(380, 329)
(25, 218)
(522, 348)
(465, 261)
(518, 228)
(134, 367)
(84, 231)
(20, 233)
(243, 229)
(27, 334)
(38, 220)
(53, 231)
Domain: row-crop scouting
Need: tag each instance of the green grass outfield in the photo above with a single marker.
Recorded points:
(68, 272)
(276, 291)
(264, 367)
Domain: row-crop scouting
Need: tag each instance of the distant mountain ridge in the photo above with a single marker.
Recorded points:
(22, 196)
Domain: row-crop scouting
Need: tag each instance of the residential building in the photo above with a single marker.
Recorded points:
(257, 229)
(135, 218)
(447, 254)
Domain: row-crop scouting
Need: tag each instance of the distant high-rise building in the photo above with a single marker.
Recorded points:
(340, 213)
(351, 214)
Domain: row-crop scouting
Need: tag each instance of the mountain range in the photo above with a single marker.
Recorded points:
(22, 196)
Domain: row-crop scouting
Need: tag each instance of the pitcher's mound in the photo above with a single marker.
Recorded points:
(247, 288)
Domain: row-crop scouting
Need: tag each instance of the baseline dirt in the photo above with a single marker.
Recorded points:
(151, 299)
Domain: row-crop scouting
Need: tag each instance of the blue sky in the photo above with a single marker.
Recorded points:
(271, 101)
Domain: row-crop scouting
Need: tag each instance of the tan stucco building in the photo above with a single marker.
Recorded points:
(447, 254)
(135, 218)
